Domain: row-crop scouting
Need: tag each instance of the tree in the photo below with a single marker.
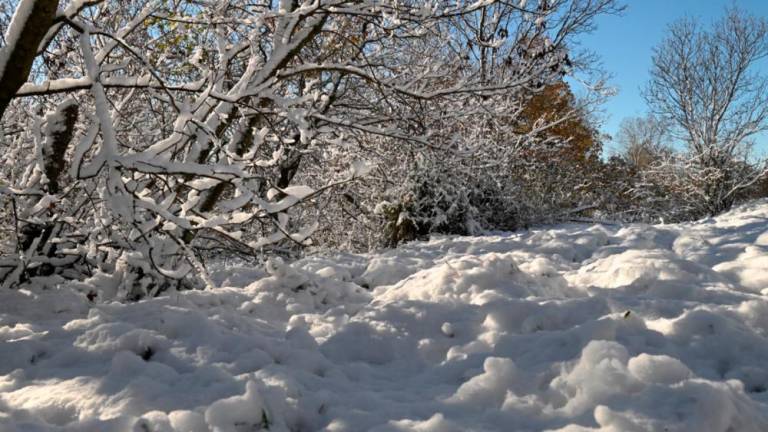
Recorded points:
(205, 127)
(568, 126)
(643, 140)
(467, 174)
(27, 29)
(705, 83)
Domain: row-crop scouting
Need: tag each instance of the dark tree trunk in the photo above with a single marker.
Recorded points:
(54, 155)
(20, 56)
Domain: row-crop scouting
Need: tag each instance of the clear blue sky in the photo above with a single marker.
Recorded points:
(624, 44)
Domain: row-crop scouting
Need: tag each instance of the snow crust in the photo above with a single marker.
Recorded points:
(569, 328)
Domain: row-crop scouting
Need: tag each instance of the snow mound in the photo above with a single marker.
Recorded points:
(638, 266)
(566, 328)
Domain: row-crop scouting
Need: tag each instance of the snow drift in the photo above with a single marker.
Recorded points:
(568, 328)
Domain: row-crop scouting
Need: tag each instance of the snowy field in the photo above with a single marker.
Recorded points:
(571, 328)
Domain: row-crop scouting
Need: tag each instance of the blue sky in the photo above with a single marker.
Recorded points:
(624, 44)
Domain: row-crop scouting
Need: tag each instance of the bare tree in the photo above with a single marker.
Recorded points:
(642, 140)
(705, 83)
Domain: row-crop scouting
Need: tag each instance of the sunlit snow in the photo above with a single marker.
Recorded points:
(566, 328)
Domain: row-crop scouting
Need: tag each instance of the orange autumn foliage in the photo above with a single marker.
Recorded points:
(576, 140)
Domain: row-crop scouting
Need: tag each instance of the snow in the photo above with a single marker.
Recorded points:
(567, 328)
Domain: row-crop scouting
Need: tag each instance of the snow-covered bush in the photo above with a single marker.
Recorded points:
(678, 187)
(431, 200)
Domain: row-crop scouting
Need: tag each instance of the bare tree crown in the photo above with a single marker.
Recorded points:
(704, 81)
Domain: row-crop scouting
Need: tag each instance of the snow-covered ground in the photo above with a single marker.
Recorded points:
(571, 328)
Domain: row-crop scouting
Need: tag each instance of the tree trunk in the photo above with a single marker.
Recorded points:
(17, 57)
